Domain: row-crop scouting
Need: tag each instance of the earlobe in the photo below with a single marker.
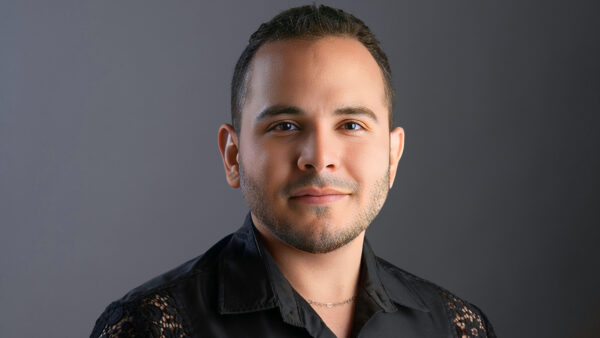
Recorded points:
(228, 146)
(396, 150)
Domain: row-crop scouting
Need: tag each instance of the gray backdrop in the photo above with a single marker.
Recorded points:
(110, 173)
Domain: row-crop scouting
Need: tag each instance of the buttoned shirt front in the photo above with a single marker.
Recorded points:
(236, 289)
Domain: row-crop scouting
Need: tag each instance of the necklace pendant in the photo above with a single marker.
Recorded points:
(329, 305)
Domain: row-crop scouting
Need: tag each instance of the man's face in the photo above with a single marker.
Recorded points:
(315, 162)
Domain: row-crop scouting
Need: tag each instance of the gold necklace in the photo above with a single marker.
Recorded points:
(330, 305)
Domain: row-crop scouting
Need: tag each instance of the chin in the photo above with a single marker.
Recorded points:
(320, 236)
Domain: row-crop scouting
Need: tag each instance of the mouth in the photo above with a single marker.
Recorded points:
(316, 196)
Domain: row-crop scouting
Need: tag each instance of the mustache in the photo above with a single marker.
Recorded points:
(321, 182)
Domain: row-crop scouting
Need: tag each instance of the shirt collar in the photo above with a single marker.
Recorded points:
(387, 284)
(249, 280)
(243, 278)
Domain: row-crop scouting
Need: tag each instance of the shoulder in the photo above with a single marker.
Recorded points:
(153, 315)
(464, 318)
(157, 307)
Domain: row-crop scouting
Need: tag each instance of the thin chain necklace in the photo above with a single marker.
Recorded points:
(330, 305)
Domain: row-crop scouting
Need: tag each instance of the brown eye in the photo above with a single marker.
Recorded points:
(352, 126)
(284, 126)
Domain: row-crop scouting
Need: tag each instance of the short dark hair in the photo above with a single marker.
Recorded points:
(307, 22)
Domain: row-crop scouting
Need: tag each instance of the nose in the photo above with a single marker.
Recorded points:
(318, 151)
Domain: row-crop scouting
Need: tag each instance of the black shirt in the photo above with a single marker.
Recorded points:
(235, 289)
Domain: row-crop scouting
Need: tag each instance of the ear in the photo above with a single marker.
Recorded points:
(396, 149)
(228, 146)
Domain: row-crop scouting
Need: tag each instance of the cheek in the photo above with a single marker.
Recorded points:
(270, 163)
(367, 162)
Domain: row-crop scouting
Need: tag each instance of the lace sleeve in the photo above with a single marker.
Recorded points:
(466, 318)
(154, 316)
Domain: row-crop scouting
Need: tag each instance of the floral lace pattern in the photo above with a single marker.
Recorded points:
(153, 316)
(466, 319)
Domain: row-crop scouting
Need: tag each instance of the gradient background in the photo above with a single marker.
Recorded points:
(110, 172)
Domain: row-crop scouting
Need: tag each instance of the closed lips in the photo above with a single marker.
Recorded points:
(317, 192)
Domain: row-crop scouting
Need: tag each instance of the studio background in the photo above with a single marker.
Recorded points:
(110, 172)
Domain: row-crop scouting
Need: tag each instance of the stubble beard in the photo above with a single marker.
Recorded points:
(324, 239)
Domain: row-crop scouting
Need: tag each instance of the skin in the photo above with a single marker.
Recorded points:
(315, 158)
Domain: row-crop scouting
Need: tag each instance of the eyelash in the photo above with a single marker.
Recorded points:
(278, 126)
(355, 123)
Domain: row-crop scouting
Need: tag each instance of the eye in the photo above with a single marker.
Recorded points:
(284, 126)
(352, 126)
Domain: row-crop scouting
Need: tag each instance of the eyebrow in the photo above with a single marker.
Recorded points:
(358, 110)
(291, 110)
(278, 110)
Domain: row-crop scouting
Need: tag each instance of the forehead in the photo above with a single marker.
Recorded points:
(317, 75)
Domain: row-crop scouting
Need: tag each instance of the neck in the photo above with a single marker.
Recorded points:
(322, 277)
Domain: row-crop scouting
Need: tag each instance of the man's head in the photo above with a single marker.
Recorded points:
(312, 150)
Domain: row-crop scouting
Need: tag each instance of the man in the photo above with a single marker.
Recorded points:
(313, 149)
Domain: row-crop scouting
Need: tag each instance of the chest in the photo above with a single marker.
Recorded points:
(338, 319)
(269, 323)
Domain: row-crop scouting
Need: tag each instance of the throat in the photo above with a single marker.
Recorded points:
(339, 319)
(328, 280)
